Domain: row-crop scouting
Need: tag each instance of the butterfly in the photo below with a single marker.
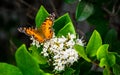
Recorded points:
(42, 33)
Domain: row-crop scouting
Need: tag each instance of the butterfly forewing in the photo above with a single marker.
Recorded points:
(32, 32)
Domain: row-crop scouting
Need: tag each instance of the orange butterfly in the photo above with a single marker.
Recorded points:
(44, 32)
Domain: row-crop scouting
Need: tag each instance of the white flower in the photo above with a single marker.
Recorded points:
(80, 42)
(60, 50)
(35, 42)
(71, 36)
(70, 43)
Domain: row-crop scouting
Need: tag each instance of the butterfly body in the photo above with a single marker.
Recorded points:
(43, 33)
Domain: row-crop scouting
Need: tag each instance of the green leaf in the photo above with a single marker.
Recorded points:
(61, 22)
(27, 63)
(103, 62)
(83, 11)
(109, 60)
(68, 28)
(7, 69)
(102, 51)
(105, 57)
(41, 16)
(106, 71)
(69, 71)
(94, 43)
(36, 54)
(116, 69)
(81, 52)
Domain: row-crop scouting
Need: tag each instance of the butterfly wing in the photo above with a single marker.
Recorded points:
(46, 26)
(43, 33)
(32, 32)
(47, 29)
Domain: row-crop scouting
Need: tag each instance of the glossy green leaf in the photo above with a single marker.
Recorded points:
(106, 58)
(26, 62)
(37, 56)
(63, 25)
(109, 60)
(103, 62)
(94, 43)
(83, 11)
(102, 51)
(68, 28)
(116, 69)
(81, 52)
(41, 16)
(8, 69)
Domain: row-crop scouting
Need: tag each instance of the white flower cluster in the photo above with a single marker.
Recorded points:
(60, 51)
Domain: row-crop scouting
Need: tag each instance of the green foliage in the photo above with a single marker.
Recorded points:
(83, 11)
(26, 62)
(63, 25)
(105, 57)
(41, 16)
(99, 13)
(7, 69)
(107, 60)
(102, 51)
(94, 43)
(36, 54)
(95, 48)
(68, 28)
(81, 51)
